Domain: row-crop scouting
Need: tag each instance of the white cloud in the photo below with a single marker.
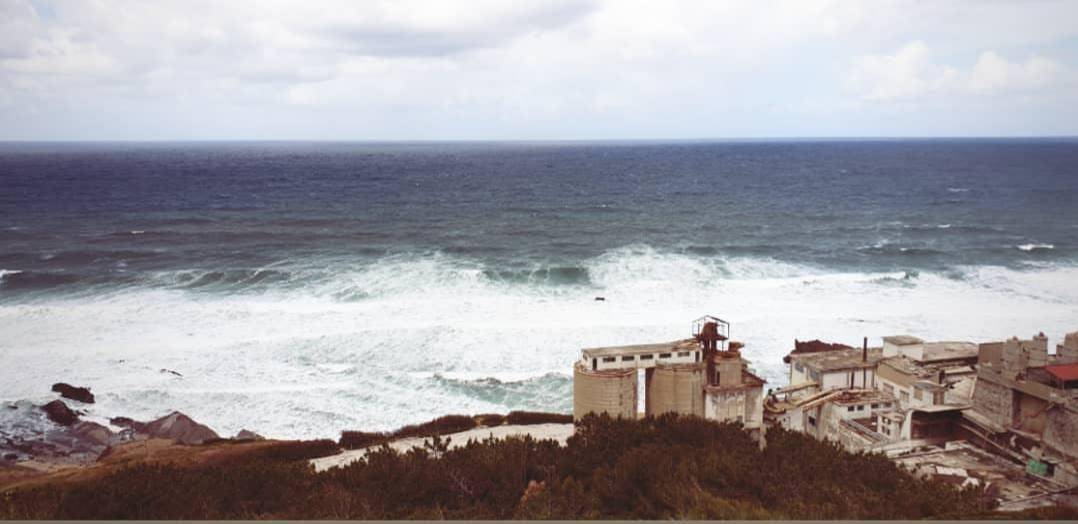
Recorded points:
(497, 69)
(911, 73)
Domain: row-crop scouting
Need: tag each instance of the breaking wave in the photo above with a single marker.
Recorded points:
(313, 348)
(1035, 247)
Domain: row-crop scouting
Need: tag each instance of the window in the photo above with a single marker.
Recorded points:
(683, 354)
(875, 406)
(917, 394)
(812, 421)
(861, 408)
(799, 367)
(610, 359)
(904, 396)
(849, 408)
(594, 364)
(646, 357)
(664, 355)
(889, 388)
(628, 358)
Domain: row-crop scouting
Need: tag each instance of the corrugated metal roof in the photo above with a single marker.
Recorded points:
(1063, 371)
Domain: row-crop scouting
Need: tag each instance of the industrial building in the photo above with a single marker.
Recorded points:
(703, 376)
(833, 366)
(1025, 404)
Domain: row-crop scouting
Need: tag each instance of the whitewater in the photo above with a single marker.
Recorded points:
(327, 347)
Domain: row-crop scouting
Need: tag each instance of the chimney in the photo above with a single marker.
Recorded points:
(864, 351)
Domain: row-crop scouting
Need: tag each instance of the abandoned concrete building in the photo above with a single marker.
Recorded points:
(1025, 404)
(906, 393)
(859, 419)
(833, 366)
(704, 376)
(922, 373)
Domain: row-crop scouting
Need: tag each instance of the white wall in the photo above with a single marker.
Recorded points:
(860, 379)
(635, 361)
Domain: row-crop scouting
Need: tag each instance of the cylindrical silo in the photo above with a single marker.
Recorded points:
(677, 388)
(610, 391)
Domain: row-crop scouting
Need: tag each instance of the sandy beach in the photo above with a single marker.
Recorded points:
(558, 432)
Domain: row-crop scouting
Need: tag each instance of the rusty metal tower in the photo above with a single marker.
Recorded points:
(712, 333)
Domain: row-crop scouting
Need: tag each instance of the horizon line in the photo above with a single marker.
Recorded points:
(865, 138)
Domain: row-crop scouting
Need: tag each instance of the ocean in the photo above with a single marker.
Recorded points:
(299, 289)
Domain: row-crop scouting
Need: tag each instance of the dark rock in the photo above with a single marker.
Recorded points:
(813, 346)
(10, 456)
(180, 428)
(177, 373)
(92, 433)
(248, 435)
(73, 392)
(124, 422)
(59, 413)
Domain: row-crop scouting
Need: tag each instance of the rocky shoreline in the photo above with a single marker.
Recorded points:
(54, 436)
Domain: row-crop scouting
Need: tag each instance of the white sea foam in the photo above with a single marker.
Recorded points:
(958, 189)
(1035, 247)
(408, 339)
(5, 272)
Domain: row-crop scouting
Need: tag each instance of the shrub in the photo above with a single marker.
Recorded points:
(361, 439)
(535, 417)
(438, 426)
(490, 419)
(658, 468)
(291, 451)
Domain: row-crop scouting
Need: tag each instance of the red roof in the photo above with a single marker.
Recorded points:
(1063, 372)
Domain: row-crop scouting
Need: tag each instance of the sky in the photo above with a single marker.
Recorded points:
(535, 70)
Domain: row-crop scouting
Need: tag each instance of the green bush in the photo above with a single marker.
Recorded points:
(361, 439)
(438, 426)
(535, 417)
(657, 468)
(490, 419)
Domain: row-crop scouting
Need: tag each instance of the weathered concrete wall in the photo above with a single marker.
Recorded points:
(612, 391)
(1061, 431)
(990, 354)
(1032, 414)
(994, 401)
(677, 389)
(754, 408)
(729, 370)
(1067, 352)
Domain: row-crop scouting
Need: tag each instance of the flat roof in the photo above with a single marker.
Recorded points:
(640, 349)
(949, 350)
(902, 340)
(839, 359)
(930, 369)
(845, 397)
(1063, 371)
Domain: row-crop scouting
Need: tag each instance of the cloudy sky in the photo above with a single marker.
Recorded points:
(556, 69)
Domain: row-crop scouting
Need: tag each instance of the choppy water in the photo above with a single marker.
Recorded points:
(305, 288)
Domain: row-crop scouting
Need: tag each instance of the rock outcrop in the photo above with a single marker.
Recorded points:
(73, 392)
(180, 428)
(59, 413)
(175, 426)
(248, 435)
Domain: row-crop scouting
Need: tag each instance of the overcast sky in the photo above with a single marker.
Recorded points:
(558, 69)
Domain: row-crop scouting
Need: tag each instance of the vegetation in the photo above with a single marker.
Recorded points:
(657, 468)
(534, 417)
(450, 424)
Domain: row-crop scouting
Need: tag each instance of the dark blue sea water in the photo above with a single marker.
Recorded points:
(335, 280)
